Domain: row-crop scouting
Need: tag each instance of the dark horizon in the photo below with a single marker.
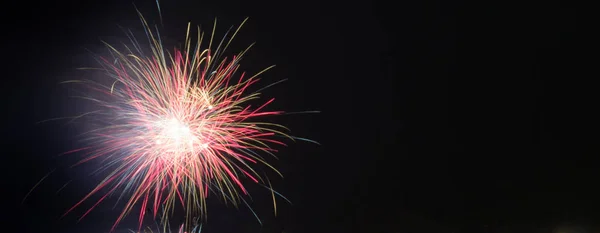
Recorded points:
(435, 116)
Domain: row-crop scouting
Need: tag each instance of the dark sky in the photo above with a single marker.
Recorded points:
(437, 116)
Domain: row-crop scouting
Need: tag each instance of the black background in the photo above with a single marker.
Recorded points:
(436, 116)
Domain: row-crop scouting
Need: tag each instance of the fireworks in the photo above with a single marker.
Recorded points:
(177, 126)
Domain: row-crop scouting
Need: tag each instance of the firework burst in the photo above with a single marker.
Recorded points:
(178, 125)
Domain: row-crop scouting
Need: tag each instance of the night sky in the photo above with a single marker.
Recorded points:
(436, 116)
